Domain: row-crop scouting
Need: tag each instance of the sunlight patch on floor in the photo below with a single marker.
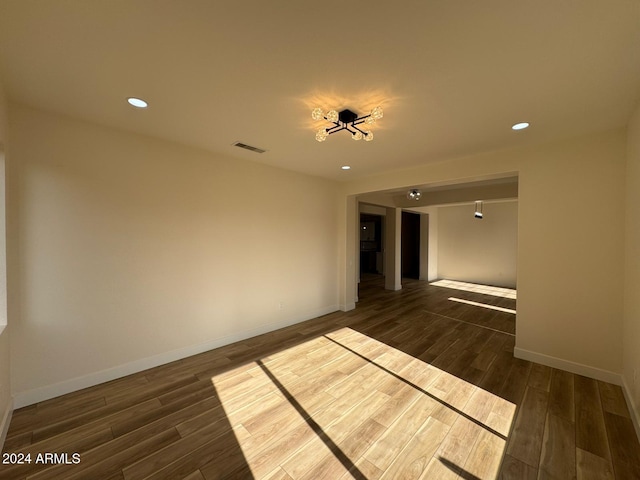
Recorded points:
(483, 305)
(345, 405)
(477, 288)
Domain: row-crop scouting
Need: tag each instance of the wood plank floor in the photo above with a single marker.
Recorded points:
(407, 385)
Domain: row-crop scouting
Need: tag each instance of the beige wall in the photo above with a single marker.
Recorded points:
(570, 237)
(632, 270)
(479, 251)
(134, 251)
(5, 379)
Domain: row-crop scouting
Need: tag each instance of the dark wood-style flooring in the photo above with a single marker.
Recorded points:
(408, 385)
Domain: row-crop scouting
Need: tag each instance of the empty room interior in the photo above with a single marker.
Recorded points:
(296, 240)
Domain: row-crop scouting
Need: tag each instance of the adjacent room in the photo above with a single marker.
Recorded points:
(319, 241)
(448, 240)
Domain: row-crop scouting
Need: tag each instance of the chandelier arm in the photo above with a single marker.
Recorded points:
(362, 132)
(335, 129)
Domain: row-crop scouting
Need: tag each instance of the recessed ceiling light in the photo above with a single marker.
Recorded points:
(520, 126)
(345, 167)
(137, 102)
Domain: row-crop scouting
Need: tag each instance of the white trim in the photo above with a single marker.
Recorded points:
(633, 411)
(22, 399)
(347, 307)
(4, 425)
(569, 366)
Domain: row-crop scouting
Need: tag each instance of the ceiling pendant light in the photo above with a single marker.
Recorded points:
(478, 213)
(346, 120)
(414, 194)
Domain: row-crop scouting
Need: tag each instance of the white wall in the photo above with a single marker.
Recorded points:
(570, 258)
(425, 244)
(392, 249)
(433, 247)
(134, 251)
(479, 250)
(632, 270)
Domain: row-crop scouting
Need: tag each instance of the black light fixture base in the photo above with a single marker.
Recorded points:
(347, 116)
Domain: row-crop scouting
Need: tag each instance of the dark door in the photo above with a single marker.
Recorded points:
(410, 245)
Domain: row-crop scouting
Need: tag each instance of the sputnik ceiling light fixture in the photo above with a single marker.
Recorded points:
(414, 194)
(346, 120)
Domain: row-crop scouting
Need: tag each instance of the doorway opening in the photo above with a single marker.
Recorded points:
(410, 245)
(371, 259)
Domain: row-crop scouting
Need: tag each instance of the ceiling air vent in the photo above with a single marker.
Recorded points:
(249, 147)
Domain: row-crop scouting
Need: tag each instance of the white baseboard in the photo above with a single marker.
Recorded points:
(4, 424)
(569, 366)
(633, 411)
(29, 397)
(347, 307)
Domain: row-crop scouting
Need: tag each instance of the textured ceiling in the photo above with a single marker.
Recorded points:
(452, 75)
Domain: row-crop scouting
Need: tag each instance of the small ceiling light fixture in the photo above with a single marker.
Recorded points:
(345, 167)
(137, 102)
(478, 213)
(346, 120)
(414, 194)
(520, 126)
